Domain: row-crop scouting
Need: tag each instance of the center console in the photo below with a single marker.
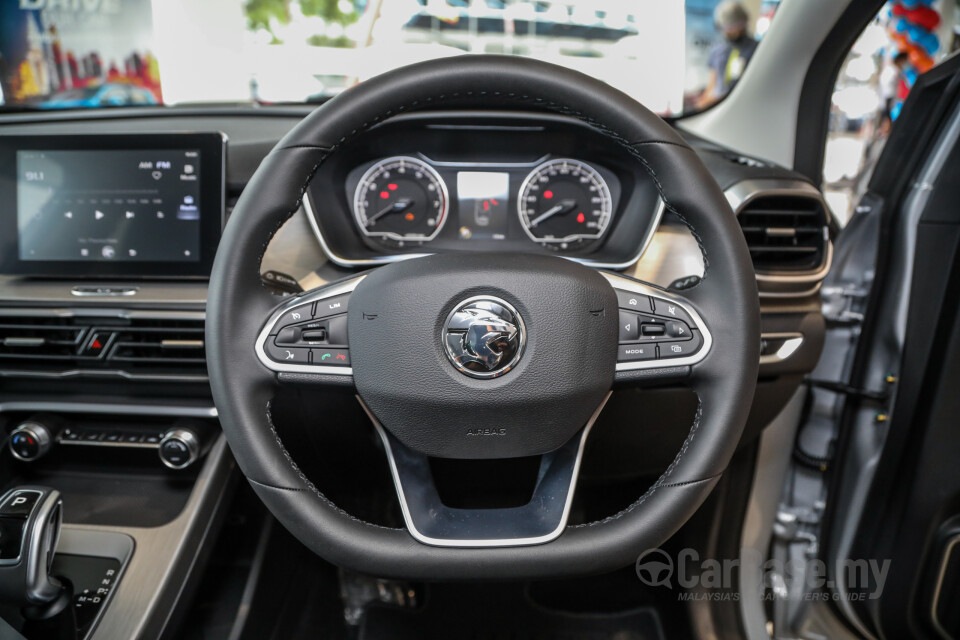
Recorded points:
(105, 248)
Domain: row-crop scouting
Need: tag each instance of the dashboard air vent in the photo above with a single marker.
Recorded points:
(165, 346)
(785, 232)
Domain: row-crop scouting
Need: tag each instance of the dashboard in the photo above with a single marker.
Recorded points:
(106, 347)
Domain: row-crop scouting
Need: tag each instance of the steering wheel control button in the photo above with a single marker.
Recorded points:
(670, 309)
(288, 355)
(629, 327)
(331, 357)
(301, 313)
(678, 330)
(19, 504)
(652, 329)
(331, 306)
(484, 337)
(633, 301)
(634, 352)
(678, 349)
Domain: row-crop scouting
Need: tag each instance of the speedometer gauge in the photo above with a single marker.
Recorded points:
(401, 200)
(564, 204)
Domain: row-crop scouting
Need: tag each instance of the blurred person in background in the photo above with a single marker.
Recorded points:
(729, 57)
(893, 89)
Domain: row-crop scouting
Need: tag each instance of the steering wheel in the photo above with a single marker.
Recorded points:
(483, 355)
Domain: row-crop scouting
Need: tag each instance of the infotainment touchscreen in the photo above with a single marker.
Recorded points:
(112, 205)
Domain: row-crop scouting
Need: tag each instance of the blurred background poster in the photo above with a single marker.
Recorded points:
(67, 54)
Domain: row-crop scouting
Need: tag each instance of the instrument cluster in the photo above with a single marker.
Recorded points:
(447, 182)
(560, 203)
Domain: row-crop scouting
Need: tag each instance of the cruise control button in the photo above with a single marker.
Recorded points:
(288, 335)
(300, 313)
(332, 306)
(669, 309)
(628, 327)
(679, 349)
(632, 352)
(635, 301)
(287, 355)
(337, 330)
(331, 357)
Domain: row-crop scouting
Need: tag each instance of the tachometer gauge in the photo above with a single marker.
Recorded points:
(564, 204)
(401, 200)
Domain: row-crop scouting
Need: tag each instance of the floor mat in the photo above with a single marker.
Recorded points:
(465, 612)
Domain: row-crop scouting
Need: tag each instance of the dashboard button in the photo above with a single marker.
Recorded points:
(633, 352)
(669, 309)
(635, 301)
(681, 348)
(331, 357)
(287, 355)
(628, 326)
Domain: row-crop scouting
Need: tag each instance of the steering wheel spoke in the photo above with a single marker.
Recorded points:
(661, 335)
(306, 338)
(540, 520)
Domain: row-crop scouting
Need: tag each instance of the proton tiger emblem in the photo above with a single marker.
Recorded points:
(484, 337)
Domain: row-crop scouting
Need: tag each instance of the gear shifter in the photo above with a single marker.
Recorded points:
(29, 531)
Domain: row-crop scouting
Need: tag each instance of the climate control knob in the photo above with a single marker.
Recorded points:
(179, 448)
(30, 441)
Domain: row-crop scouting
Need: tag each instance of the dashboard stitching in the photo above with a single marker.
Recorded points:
(662, 480)
(309, 484)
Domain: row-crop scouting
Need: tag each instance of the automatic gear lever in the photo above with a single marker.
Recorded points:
(29, 531)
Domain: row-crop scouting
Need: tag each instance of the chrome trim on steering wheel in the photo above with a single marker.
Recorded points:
(478, 522)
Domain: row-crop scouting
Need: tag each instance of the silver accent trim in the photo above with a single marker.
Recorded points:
(742, 193)
(110, 409)
(493, 542)
(307, 209)
(309, 297)
(624, 284)
(197, 344)
(377, 166)
(792, 342)
(516, 321)
(941, 575)
(109, 292)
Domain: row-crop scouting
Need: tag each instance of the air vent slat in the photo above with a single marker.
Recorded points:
(146, 347)
(785, 233)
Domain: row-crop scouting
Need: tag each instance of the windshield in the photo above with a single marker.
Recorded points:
(674, 57)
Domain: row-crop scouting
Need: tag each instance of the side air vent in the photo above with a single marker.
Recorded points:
(785, 232)
(164, 346)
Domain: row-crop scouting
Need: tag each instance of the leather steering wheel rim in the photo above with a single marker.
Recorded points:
(726, 298)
